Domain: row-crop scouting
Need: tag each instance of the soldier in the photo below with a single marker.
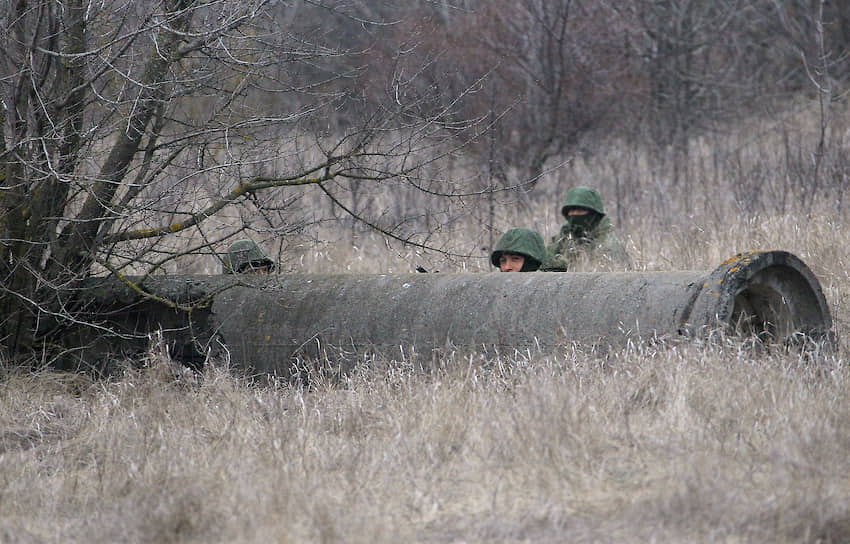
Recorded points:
(519, 250)
(587, 232)
(246, 257)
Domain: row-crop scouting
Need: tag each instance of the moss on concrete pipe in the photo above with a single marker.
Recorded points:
(267, 322)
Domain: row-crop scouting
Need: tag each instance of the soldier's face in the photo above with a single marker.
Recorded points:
(511, 263)
(261, 270)
(577, 211)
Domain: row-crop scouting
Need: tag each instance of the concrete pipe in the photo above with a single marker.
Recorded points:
(267, 322)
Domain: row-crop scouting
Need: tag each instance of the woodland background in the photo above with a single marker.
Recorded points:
(359, 136)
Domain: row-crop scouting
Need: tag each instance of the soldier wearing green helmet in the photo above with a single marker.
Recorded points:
(245, 257)
(588, 232)
(519, 250)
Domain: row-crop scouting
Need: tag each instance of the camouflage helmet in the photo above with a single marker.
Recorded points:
(525, 242)
(243, 254)
(583, 197)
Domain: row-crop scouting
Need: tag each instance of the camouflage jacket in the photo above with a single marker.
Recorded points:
(601, 247)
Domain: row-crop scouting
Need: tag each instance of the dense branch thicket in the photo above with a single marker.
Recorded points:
(553, 76)
(137, 132)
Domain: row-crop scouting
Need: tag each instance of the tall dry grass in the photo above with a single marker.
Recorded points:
(664, 443)
(694, 442)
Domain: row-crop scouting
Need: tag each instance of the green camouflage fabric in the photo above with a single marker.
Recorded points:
(590, 236)
(243, 255)
(525, 242)
(583, 197)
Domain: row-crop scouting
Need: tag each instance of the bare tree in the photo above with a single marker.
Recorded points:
(557, 67)
(538, 78)
(545, 72)
(694, 65)
(816, 33)
(135, 133)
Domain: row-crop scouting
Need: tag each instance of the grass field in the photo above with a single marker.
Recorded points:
(699, 442)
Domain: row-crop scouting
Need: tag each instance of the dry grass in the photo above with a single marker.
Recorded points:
(706, 442)
(665, 443)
